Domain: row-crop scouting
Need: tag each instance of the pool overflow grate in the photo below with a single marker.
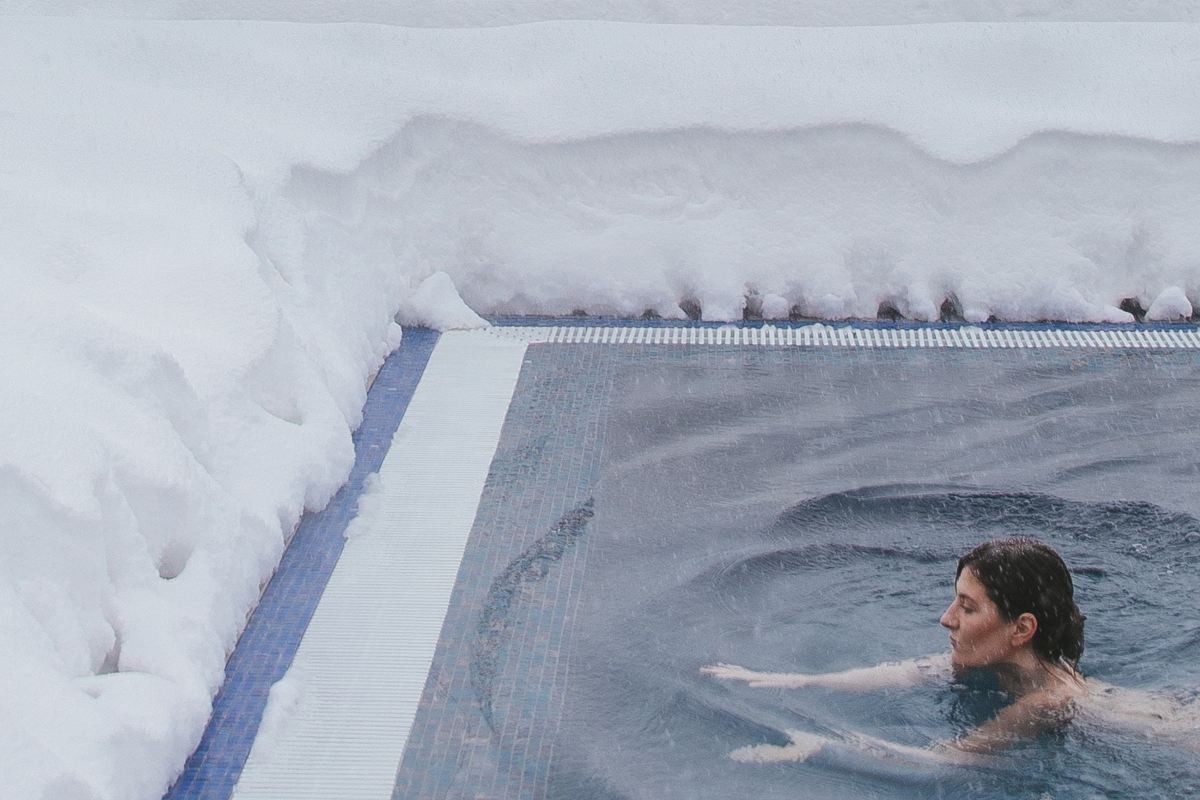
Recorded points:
(852, 337)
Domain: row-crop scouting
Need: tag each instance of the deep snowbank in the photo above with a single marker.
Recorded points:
(208, 226)
(833, 221)
(1022, 172)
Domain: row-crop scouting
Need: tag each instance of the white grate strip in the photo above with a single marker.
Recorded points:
(818, 335)
(363, 662)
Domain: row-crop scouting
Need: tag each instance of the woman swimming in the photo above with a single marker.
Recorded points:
(1013, 613)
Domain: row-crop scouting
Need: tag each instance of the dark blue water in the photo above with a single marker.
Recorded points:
(849, 579)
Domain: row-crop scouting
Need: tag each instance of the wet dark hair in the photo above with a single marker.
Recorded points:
(1020, 575)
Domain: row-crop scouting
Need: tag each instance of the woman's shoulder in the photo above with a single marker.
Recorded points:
(1057, 698)
(1051, 701)
(1129, 705)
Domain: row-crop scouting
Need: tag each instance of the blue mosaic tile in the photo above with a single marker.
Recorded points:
(859, 324)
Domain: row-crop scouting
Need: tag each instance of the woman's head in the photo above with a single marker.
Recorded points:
(1011, 594)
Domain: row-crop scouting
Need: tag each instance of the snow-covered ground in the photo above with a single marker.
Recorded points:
(207, 228)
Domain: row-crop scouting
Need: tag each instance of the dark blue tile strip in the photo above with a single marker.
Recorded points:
(868, 324)
(264, 652)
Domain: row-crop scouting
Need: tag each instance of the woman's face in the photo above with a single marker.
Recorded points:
(979, 634)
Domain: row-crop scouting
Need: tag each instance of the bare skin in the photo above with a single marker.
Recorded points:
(980, 636)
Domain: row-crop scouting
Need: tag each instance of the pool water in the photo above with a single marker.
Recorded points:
(850, 579)
(652, 509)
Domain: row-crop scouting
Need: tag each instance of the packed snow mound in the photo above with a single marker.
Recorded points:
(208, 227)
(1171, 305)
(436, 304)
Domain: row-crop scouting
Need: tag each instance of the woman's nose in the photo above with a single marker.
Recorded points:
(947, 619)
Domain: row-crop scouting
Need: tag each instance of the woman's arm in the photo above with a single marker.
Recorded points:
(889, 675)
(1027, 718)
(1024, 719)
(803, 746)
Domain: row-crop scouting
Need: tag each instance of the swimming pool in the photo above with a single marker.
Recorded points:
(656, 499)
(653, 508)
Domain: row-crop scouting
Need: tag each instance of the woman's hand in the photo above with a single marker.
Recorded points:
(756, 680)
(801, 747)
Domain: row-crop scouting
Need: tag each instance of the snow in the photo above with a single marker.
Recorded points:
(283, 703)
(436, 304)
(209, 226)
(1171, 305)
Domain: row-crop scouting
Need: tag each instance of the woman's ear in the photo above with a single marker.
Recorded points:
(1024, 628)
